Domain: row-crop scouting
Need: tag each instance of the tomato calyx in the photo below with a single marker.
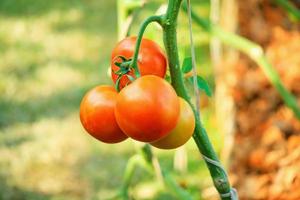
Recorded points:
(125, 66)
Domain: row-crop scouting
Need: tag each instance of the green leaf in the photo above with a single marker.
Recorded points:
(123, 58)
(202, 85)
(187, 65)
(118, 64)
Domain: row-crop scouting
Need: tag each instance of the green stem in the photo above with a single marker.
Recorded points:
(143, 27)
(255, 52)
(220, 178)
(175, 188)
(144, 158)
(132, 163)
(166, 177)
(290, 8)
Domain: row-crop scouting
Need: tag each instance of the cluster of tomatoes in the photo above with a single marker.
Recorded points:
(146, 109)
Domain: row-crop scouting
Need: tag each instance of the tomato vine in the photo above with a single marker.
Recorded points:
(220, 178)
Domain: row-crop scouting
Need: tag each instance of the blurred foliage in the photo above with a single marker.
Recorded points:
(51, 53)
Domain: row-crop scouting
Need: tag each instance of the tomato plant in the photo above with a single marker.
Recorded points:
(151, 59)
(97, 114)
(182, 132)
(147, 109)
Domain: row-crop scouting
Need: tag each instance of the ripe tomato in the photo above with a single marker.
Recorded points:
(147, 109)
(97, 114)
(151, 58)
(182, 132)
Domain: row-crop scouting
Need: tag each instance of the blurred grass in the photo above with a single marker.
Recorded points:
(51, 53)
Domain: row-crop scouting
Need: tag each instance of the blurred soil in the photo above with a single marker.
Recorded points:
(266, 155)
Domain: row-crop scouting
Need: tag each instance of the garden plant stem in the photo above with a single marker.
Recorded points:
(139, 40)
(147, 160)
(169, 25)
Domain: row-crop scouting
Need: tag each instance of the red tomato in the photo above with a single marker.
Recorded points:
(151, 58)
(182, 132)
(147, 109)
(97, 114)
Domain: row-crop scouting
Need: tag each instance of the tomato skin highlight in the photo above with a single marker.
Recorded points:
(182, 132)
(147, 109)
(151, 59)
(97, 114)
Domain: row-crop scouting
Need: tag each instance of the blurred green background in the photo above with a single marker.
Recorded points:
(51, 53)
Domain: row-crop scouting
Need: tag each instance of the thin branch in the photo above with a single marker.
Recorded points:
(148, 161)
(290, 8)
(143, 27)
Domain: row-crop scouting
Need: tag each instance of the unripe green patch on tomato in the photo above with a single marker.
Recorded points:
(182, 132)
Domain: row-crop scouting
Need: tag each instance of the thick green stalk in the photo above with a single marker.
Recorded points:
(169, 24)
(255, 52)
